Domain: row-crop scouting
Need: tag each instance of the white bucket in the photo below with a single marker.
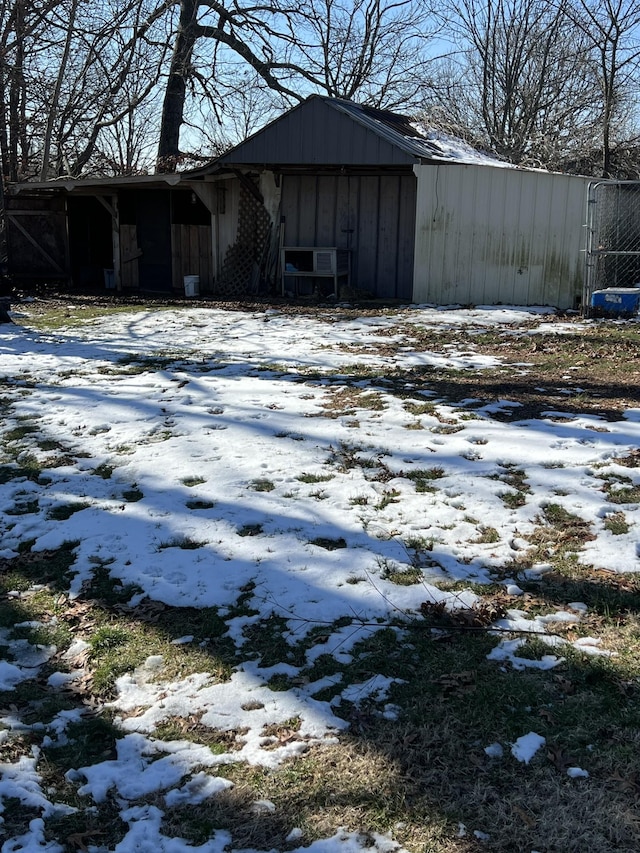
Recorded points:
(191, 285)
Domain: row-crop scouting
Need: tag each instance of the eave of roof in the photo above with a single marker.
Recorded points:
(69, 184)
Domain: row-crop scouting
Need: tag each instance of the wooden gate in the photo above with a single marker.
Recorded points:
(37, 238)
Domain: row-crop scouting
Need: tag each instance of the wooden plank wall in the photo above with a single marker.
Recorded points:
(191, 255)
(129, 253)
(37, 237)
(373, 215)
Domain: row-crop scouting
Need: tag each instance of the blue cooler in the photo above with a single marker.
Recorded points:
(616, 302)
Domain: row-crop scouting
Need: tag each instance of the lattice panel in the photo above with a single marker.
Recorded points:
(241, 266)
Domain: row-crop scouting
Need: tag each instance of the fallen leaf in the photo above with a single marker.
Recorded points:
(547, 715)
(77, 838)
(564, 684)
(626, 784)
(524, 816)
(559, 758)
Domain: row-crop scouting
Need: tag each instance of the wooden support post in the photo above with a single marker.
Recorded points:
(112, 206)
(115, 226)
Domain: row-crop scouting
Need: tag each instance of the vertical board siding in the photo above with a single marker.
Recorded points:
(366, 234)
(388, 214)
(326, 230)
(129, 252)
(191, 255)
(487, 235)
(373, 215)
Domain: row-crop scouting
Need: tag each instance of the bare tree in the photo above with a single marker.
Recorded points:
(610, 28)
(109, 63)
(522, 84)
(21, 23)
(370, 49)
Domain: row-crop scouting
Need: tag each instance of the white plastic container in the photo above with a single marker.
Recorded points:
(191, 285)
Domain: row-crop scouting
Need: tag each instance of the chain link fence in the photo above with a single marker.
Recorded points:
(613, 237)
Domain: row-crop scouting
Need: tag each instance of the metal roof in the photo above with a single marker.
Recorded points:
(331, 131)
(320, 131)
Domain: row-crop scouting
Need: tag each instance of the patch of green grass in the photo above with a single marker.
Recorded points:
(513, 500)
(61, 315)
(268, 640)
(557, 516)
(306, 477)
(616, 494)
(63, 461)
(107, 589)
(250, 530)
(346, 457)
(371, 400)
(434, 473)
(401, 575)
(184, 542)
(280, 683)
(419, 408)
(204, 623)
(103, 470)
(56, 634)
(359, 500)
(487, 535)
(513, 476)
(261, 484)
(361, 370)
(24, 507)
(18, 433)
(52, 567)
(62, 512)
(35, 702)
(49, 444)
(389, 496)
(192, 481)
(419, 544)
(422, 478)
(328, 543)
(616, 523)
(133, 494)
(218, 742)
(200, 503)
(106, 638)
(29, 468)
(89, 741)
(133, 363)
(120, 645)
(446, 429)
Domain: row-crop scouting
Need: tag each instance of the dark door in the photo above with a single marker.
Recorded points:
(90, 241)
(153, 219)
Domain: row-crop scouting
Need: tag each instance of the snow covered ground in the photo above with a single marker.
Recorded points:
(261, 466)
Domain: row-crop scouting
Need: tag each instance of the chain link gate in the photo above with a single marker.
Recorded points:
(613, 236)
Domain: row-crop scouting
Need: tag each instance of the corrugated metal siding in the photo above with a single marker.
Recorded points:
(486, 235)
(374, 216)
(314, 133)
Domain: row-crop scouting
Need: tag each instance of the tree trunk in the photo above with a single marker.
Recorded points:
(175, 93)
